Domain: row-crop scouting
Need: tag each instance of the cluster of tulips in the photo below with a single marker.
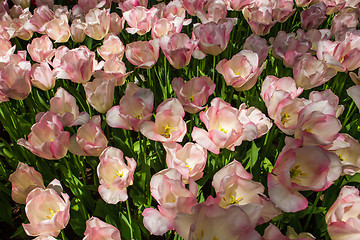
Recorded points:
(314, 156)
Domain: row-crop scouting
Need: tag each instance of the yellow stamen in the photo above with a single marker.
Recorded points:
(223, 130)
(295, 173)
(342, 158)
(166, 131)
(139, 116)
(235, 201)
(51, 213)
(191, 99)
(285, 118)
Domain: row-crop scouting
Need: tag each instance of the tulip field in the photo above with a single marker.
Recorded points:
(182, 119)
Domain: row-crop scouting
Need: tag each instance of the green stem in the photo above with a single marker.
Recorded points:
(129, 216)
(313, 207)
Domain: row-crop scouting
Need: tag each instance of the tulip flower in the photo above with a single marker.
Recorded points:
(142, 54)
(42, 76)
(178, 48)
(258, 45)
(41, 49)
(23, 181)
(78, 65)
(168, 189)
(213, 37)
(210, 221)
(64, 105)
(134, 108)
(241, 71)
(213, 11)
(354, 93)
(97, 23)
(89, 140)
(114, 175)
(342, 218)
(313, 16)
(100, 94)
(77, 30)
(194, 93)
(139, 19)
(301, 169)
(97, 229)
(224, 127)
(58, 29)
(47, 211)
(169, 125)
(112, 47)
(259, 18)
(273, 233)
(47, 138)
(350, 155)
(116, 23)
(189, 160)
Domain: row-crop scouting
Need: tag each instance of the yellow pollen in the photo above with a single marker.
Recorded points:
(138, 116)
(223, 129)
(191, 99)
(51, 213)
(295, 173)
(285, 118)
(308, 130)
(342, 158)
(235, 201)
(167, 131)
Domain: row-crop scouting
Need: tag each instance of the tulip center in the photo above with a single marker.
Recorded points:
(284, 118)
(52, 212)
(190, 168)
(341, 158)
(167, 130)
(191, 99)
(235, 200)
(223, 130)
(119, 173)
(140, 116)
(296, 173)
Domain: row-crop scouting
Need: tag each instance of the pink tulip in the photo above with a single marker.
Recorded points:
(58, 29)
(49, 3)
(273, 233)
(42, 76)
(313, 16)
(317, 124)
(309, 72)
(116, 23)
(350, 155)
(192, 6)
(78, 65)
(139, 19)
(224, 127)
(97, 229)
(89, 140)
(47, 211)
(233, 186)
(194, 93)
(112, 47)
(344, 21)
(255, 123)
(42, 15)
(282, 10)
(114, 70)
(23, 181)
(354, 93)
(189, 160)
(47, 237)
(333, 6)
(134, 108)
(259, 18)
(64, 105)
(100, 94)
(213, 11)
(6, 51)
(164, 26)
(274, 90)
(77, 30)
(15, 78)
(241, 71)
(178, 48)
(97, 23)
(126, 5)
(41, 49)
(213, 37)
(303, 3)
(114, 175)
(21, 25)
(169, 125)
(142, 54)
(258, 45)
(301, 169)
(342, 217)
(210, 221)
(288, 47)
(168, 189)
(47, 138)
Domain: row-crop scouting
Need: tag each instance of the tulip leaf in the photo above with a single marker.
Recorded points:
(252, 154)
